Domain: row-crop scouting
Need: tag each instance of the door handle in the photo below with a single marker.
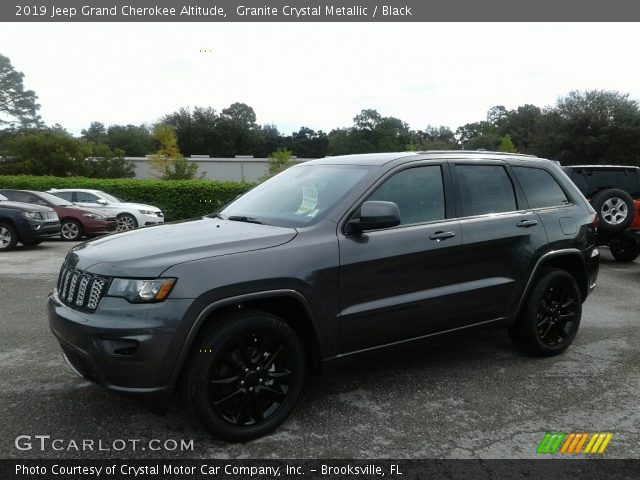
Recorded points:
(527, 223)
(439, 236)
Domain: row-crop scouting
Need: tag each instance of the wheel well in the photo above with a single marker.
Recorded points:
(575, 266)
(290, 310)
(8, 220)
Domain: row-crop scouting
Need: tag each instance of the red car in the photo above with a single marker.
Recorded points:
(75, 221)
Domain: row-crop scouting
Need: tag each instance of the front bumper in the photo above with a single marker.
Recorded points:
(128, 349)
(37, 229)
(92, 229)
(148, 220)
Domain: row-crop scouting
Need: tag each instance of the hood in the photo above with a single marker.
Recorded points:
(25, 207)
(134, 206)
(147, 252)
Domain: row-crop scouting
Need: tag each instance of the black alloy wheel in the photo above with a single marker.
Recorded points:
(556, 313)
(250, 380)
(551, 315)
(244, 376)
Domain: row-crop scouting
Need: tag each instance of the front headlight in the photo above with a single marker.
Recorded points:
(93, 216)
(147, 212)
(141, 291)
(31, 215)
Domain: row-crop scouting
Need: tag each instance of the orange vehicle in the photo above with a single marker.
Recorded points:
(614, 193)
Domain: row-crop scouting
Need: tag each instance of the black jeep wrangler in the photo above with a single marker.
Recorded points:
(614, 192)
(328, 260)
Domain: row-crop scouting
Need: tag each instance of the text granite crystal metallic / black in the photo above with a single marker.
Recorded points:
(331, 258)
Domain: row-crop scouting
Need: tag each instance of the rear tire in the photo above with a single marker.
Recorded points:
(551, 315)
(8, 237)
(626, 251)
(245, 375)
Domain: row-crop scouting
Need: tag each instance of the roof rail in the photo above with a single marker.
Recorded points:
(470, 152)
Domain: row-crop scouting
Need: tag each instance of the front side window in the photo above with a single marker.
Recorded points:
(540, 188)
(418, 192)
(485, 189)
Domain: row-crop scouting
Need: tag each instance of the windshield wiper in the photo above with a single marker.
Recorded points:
(242, 218)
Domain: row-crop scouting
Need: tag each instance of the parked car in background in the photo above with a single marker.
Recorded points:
(75, 221)
(614, 192)
(25, 223)
(128, 215)
(330, 259)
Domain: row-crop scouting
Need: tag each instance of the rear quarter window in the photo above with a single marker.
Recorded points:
(540, 187)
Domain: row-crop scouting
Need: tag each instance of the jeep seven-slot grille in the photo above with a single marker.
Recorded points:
(81, 290)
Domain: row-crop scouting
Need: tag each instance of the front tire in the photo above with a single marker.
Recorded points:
(8, 237)
(126, 222)
(71, 230)
(551, 316)
(245, 375)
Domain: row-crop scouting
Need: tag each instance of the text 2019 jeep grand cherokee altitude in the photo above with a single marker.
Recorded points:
(329, 259)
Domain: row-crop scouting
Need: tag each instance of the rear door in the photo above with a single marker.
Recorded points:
(402, 282)
(500, 238)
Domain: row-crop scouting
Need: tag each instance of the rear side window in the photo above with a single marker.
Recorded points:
(485, 189)
(627, 180)
(540, 188)
(418, 192)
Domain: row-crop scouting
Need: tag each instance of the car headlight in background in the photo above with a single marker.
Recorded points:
(147, 212)
(31, 215)
(93, 216)
(141, 291)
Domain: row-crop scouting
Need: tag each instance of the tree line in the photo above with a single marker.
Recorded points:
(592, 127)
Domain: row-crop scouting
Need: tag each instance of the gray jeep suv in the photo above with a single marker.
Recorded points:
(328, 260)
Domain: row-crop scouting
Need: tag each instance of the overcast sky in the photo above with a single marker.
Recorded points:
(318, 75)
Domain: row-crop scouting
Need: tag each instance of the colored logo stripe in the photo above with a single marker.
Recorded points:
(572, 443)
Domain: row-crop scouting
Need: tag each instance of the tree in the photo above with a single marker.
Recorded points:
(50, 151)
(96, 133)
(168, 162)
(134, 140)
(506, 145)
(106, 163)
(277, 162)
(18, 106)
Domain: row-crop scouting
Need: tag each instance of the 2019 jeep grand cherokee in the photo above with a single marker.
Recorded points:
(330, 259)
(614, 192)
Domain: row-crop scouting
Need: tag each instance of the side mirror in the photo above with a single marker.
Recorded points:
(102, 201)
(374, 215)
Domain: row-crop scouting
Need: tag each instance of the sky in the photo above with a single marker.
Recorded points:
(318, 75)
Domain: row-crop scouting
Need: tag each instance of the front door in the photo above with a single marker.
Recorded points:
(402, 282)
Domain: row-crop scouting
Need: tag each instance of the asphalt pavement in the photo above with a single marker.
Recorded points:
(472, 396)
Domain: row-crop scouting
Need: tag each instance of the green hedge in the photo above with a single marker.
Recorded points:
(178, 199)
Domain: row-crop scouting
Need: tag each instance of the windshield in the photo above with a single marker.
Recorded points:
(57, 201)
(298, 196)
(110, 198)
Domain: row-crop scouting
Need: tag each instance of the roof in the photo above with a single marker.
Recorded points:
(383, 158)
(602, 167)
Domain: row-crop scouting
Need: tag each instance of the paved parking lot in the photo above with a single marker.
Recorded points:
(468, 397)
